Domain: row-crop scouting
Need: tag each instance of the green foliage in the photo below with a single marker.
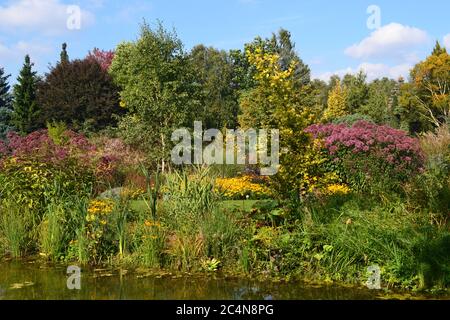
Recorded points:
(31, 183)
(431, 189)
(16, 223)
(351, 119)
(56, 131)
(157, 89)
(281, 44)
(52, 231)
(25, 106)
(215, 74)
(64, 55)
(382, 103)
(153, 191)
(357, 91)
(5, 105)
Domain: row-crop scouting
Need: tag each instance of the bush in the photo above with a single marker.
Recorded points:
(35, 165)
(370, 157)
(431, 189)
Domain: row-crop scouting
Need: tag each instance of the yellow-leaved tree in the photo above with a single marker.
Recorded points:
(337, 103)
(280, 102)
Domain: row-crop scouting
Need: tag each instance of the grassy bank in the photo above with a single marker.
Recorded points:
(194, 230)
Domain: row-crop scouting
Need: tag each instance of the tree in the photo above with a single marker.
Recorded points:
(5, 104)
(290, 107)
(382, 102)
(103, 57)
(428, 93)
(64, 55)
(25, 108)
(158, 90)
(215, 74)
(337, 103)
(357, 91)
(438, 49)
(81, 94)
(282, 45)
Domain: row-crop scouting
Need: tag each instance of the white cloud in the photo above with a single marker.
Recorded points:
(44, 16)
(373, 71)
(447, 41)
(17, 51)
(392, 40)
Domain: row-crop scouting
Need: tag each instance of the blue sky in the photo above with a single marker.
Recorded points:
(331, 36)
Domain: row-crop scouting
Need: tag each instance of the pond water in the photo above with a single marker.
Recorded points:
(32, 280)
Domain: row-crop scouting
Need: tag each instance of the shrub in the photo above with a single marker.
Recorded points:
(34, 165)
(121, 162)
(368, 156)
(431, 189)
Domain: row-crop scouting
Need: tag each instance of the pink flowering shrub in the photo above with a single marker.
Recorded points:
(39, 145)
(126, 160)
(75, 159)
(366, 154)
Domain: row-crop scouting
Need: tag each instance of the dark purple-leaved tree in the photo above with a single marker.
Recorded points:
(79, 93)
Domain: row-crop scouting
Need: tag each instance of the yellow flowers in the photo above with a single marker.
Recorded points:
(240, 187)
(132, 193)
(336, 189)
(153, 228)
(150, 224)
(99, 208)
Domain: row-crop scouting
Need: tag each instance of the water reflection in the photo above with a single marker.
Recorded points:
(30, 280)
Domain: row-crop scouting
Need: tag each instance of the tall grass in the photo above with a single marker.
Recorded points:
(344, 242)
(52, 231)
(15, 227)
(197, 228)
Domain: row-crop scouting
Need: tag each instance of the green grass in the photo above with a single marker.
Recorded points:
(244, 205)
(139, 206)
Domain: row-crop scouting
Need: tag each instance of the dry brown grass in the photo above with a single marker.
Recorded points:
(436, 144)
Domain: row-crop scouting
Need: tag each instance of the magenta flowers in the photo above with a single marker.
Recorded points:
(370, 150)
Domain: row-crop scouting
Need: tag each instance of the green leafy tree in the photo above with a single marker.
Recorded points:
(278, 56)
(158, 90)
(25, 108)
(5, 104)
(382, 102)
(215, 74)
(357, 91)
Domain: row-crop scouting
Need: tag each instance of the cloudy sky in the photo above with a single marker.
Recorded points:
(333, 37)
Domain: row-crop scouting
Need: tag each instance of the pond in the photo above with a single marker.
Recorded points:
(27, 280)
